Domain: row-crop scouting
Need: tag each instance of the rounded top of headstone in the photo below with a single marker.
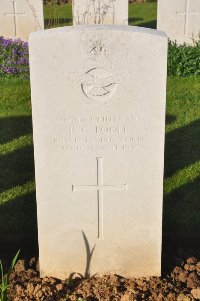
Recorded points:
(87, 28)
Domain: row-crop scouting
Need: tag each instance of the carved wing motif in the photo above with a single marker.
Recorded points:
(100, 85)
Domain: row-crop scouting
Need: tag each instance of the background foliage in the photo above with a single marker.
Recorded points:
(184, 60)
(13, 58)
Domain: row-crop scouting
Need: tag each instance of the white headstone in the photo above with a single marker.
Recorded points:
(99, 124)
(87, 12)
(18, 18)
(180, 19)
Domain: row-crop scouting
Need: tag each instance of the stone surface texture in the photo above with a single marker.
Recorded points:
(87, 12)
(18, 18)
(99, 123)
(180, 19)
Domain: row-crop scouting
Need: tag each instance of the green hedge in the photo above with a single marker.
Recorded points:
(184, 60)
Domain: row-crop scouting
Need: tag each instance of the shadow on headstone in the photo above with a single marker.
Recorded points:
(89, 255)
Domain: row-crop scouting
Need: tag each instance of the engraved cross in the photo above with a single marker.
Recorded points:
(187, 13)
(99, 188)
(15, 15)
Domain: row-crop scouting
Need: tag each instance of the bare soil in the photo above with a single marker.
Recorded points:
(182, 284)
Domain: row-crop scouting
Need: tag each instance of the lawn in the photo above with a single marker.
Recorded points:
(144, 15)
(57, 15)
(18, 224)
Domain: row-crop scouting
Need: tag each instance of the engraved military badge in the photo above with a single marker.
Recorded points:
(98, 80)
(98, 84)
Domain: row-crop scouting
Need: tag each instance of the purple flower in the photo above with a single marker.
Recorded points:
(14, 58)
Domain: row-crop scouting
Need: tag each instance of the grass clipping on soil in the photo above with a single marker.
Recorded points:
(182, 285)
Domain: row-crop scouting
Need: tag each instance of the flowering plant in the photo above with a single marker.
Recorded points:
(14, 58)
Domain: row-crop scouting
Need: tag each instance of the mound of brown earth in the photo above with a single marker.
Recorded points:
(182, 285)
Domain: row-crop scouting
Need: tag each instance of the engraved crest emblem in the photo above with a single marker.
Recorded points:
(99, 50)
(98, 79)
(98, 84)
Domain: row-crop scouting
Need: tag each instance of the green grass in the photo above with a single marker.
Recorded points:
(144, 15)
(139, 15)
(182, 162)
(57, 15)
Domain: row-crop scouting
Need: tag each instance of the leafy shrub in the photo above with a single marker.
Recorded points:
(13, 58)
(184, 60)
